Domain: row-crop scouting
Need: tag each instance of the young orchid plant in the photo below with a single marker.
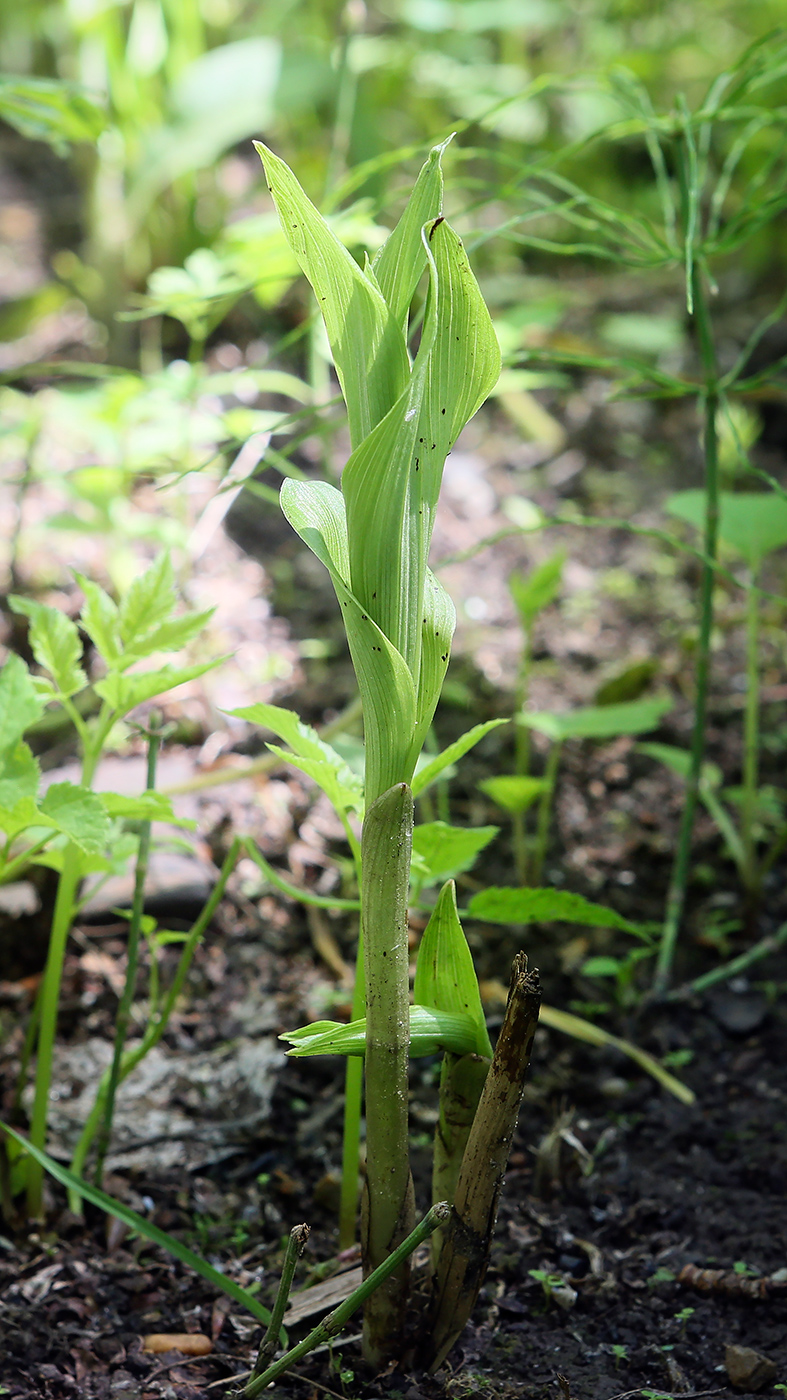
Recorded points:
(373, 536)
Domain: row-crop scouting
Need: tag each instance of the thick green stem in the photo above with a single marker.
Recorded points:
(335, 1321)
(386, 844)
(751, 737)
(62, 917)
(676, 896)
(134, 927)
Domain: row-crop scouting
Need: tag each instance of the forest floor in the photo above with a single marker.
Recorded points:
(614, 1186)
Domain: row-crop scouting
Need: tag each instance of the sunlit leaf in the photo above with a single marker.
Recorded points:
(79, 813)
(441, 852)
(599, 721)
(430, 771)
(752, 523)
(445, 977)
(513, 792)
(430, 1032)
(55, 643)
(20, 705)
(505, 905)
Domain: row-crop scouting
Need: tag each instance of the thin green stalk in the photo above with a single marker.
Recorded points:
(386, 843)
(299, 1235)
(65, 901)
(27, 1051)
(759, 950)
(335, 1321)
(156, 1027)
(751, 737)
(135, 923)
(521, 731)
(676, 896)
(545, 812)
(351, 1132)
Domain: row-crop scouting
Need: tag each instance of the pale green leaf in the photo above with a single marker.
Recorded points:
(20, 705)
(99, 618)
(79, 814)
(316, 511)
(752, 523)
(150, 806)
(55, 643)
(514, 792)
(430, 1032)
(177, 632)
(535, 591)
(148, 602)
(431, 771)
(45, 109)
(310, 754)
(19, 775)
(366, 340)
(16, 817)
(679, 760)
(445, 977)
(599, 721)
(441, 851)
(506, 905)
(399, 264)
(124, 692)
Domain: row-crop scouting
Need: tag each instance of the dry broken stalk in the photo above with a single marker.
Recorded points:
(465, 1252)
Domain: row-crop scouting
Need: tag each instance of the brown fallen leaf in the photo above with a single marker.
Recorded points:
(190, 1343)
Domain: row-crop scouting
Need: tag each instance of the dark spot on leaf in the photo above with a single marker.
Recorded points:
(439, 220)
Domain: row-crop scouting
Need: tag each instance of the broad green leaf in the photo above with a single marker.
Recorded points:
(316, 511)
(535, 591)
(539, 906)
(437, 632)
(148, 602)
(513, 792)
(430, 1032)
(752, 523)
(177, 632)
(628, 684)
(79, 814)
(431, 771)
(124, 692)
(599, 721)
(55, 643)
(366, 340)
(19, 775)
(141, 1226)
(99, 618)
(580, 1029)
(441, 851)
(20, 705)
(18, 816)
(444, 975)
(398, 265)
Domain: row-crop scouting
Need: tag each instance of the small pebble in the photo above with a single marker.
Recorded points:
(747, 1369)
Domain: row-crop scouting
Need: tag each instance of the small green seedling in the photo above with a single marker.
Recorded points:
(620, 1353)
(683, 1317)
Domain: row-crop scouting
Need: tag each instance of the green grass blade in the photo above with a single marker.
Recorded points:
(580, 1029)
(143, 1227)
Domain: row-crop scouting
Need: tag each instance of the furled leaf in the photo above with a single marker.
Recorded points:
(430, 1032)
(20, 705)
(19, 775)
(366, 340)
(399, 263)
(55, 643)
(752, 522)
(125, 692)
(535, 591)
(445, 977)
(79, 813)
(513, 792)
(430, 771)
(441, 851)
(599, 721)
(537, 906)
